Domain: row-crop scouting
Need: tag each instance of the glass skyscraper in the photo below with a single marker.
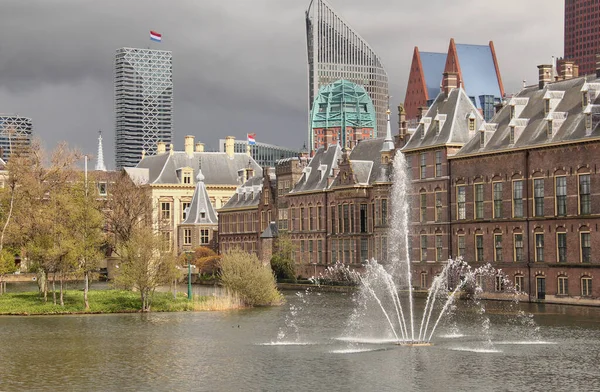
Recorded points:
(143, 103)
(15, 131)
(336, 51)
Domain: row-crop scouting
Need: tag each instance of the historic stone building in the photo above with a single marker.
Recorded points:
(170, 178)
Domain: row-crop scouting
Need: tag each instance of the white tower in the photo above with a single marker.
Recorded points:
(100, 156)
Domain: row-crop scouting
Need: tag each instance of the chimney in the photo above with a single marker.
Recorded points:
(171, 149)
(189, 145)
(143, 153)
(422, 111)
(449, 82)
(545, 75)
(566, 69)
(161, 148)
(229, 146)
(575, 70)
(199, 147)
(402, 124)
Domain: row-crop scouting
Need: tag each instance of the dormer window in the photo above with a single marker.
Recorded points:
(266, 201)
(584, 99)
(471, 124)
(588, 122)
(512, 111)
(102, 188)
(546, 106)
(549, 128)
(437, 127)
(481, 139)
(511, 137)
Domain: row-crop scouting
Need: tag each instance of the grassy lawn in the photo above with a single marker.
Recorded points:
(108, 301)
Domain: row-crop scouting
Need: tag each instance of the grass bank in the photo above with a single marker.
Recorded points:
(110, 301)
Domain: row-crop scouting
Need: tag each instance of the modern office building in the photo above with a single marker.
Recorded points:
(582, 34)
(342, 113)
(14, 131)
(336, 51)
(143, 103)
(264, 154)
(474, 67)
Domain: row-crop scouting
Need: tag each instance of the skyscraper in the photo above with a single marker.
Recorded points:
(15, 131)
(582, 39)
(336, 51)
(143, 103)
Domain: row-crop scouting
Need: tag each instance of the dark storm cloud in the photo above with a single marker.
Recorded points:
(239, 66)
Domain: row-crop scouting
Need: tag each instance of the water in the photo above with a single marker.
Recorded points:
(230, 351)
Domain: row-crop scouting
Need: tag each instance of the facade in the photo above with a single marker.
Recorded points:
(581, 42)
(477, 72)
(200, 225)
(15, 131)
(143, 103)
(342, 113)
(336, 51)
(264, 154)
(170, 177)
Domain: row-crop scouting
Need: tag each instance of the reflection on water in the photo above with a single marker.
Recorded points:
(229, 351)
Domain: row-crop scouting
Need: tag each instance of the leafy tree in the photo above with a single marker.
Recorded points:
(145, 264)
(7, 266)
(204, 259)
(245, 275)
(282, 262)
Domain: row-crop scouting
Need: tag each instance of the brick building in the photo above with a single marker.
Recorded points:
(476, 69)
(581, 35)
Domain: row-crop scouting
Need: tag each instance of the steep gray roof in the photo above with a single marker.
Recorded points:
(271, 231)
(452, 115)
(368, 150)
(218, 168)
(201, 210)
(319, 169)
(246, 195)
(531, 120)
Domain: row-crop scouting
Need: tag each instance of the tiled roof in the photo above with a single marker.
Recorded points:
(531, 122)
(319, 169)
(201, 210)
(368, 150)
(246, 195)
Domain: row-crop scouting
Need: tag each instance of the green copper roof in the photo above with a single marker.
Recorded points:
(343, 104)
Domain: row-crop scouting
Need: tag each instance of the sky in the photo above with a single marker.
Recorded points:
(239, 66)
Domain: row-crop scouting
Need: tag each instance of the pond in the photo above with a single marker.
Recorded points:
(302, 345)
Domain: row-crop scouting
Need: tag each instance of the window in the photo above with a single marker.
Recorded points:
(184, 206)
(423, 280)
(563, 285)
(187, 236)
(302, 219)
(478, 201)
(423, 207)
(461, 202)
(320, 218)
(384, 212)
(539, 247)
(438, 206)
(166, 241)
(471, 124)
(438, 163)
(519, 283)
(438, 248)
(498, 247)
(538, 197)
(461, 245)
(479, 282)
(311, 218)
(266, 201)
(588, 122)
(518, 239)
(364, 249)
(584, 99)
(586, 286)
(423, 165)
(512, 111)
(310, 251)
(481, 139)
(320, 251)
(561, 244)
(479, 247)
(586, 247)
(546, 106)
(497, 187)
(518, 199)
(423, 247)
(187, 177)
(101, 188)
(332, 208)
(346, 218)
(363, 218)
(499, 283)
(561, 196)
(334, 251)
(165, 210)
(340, 220)
(585, 202)
(511, 136)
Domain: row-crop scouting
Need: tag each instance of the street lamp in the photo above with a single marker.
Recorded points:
(189, 281)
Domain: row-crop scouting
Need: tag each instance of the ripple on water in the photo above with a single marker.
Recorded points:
(476, 350)
(363, 340)
(532, 342)
(351, 350)
(283, 343)
(452, 336)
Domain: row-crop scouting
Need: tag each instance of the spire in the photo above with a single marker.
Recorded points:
(100, 160)
(388, 144)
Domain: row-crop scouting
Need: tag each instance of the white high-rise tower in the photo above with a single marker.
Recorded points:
(100, 156)
(143, 103)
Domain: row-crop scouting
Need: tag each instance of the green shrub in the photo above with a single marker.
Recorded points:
(245, 275)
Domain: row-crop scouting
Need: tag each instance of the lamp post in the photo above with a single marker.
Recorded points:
(189, 281)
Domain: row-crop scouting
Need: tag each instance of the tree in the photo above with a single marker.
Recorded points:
(245, 275)
(7, 266)
(282, 262)
(204, 259)
(145, 263)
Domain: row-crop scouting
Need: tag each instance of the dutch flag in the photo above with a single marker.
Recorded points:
(154, 36)
(251, 139)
